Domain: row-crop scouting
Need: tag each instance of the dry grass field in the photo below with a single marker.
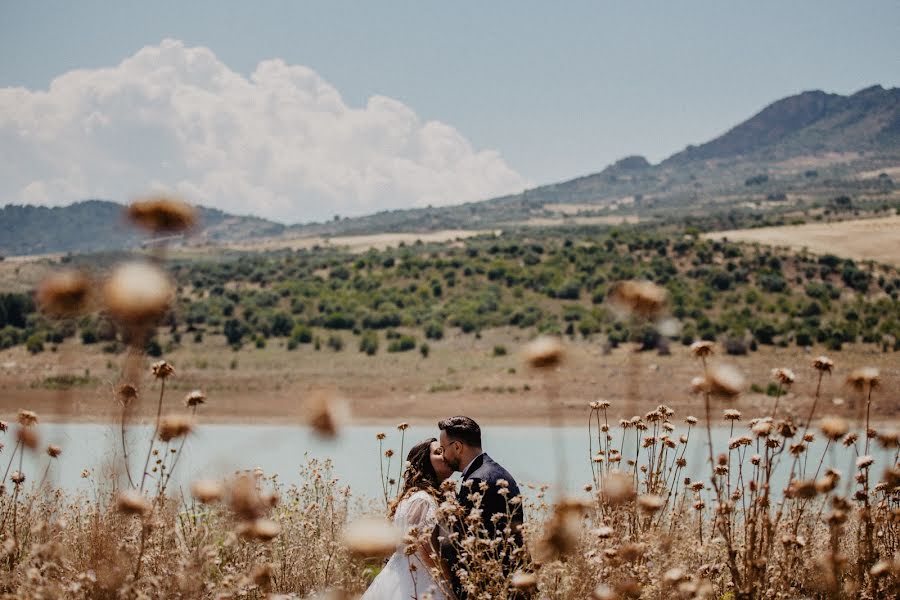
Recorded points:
(863, 239)
(360, 243)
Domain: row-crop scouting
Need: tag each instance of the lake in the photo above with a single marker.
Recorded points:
(219, 450)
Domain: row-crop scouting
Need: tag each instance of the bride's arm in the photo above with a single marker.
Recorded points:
(422, 516)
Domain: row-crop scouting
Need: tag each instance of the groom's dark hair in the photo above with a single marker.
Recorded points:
(462, 429)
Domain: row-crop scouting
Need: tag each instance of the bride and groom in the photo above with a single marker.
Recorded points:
(439, 541)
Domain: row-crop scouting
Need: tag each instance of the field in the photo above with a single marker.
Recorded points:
(636, 325)
(865, 239)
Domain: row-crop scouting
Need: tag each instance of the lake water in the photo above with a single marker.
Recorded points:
(219, 450)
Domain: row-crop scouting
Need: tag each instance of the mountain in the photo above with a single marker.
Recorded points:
(806, 148)
(97, 225)
(809, 123)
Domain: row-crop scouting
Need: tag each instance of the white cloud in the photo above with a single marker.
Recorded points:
(281, 143)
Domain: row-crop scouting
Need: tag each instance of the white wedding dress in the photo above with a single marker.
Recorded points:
(397, 581)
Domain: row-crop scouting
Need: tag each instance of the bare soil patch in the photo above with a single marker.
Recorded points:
(461, 376)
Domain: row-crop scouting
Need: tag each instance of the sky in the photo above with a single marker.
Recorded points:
(297, 111)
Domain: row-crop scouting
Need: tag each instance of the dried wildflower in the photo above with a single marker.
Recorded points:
(380, 436)
(524, 581)
(53, 451)
(27, 437)
(805, 489)
(732, 414)
(762, 428)
(17, 477)
(402, 426)
(889, 439)
(162, 215)
(138, 293)
(641, 299)
(263, 530)
(4, 426)
(724, 382)
(195, 398)
(618, 488)
(371, 538)
(545, 352)
(560, 538)
(174, 426)
(604, 592)
(632, 551)
(833, 428)
(207, 491)
(27, 418)
(262, 575)
(132, 502)
(64, 294)
(703, 349)
(603, 532)
(162, 370)
(864, 462)
(326, 413)
(783, 376)
(823, 363)
(866, 378)
(244, 499)
(650, 503)
(787, 429)
(126, 394)
(691, 420)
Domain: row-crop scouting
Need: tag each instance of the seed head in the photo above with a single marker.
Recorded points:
(650, 503)
(244, 499)
(326, 413)
(641, 299)
(402, 426)
(27, 437)
(691, 420)
(195, 398)
(132, 502)
(823, 363)
(64, 294)
(17, 477)
(783, 376)
(864, 462)
(27, 418)
(703, 349)
(545, 352)
(137, 293)
(618, 488)
(162, 370)
(866, 378)
(834, 428)
(207, 491)
(53, 451)
(371, 538)
(524, 581)
(126, 394)
(174, 426)
(263, 530)
(732, 414)
(162, 215)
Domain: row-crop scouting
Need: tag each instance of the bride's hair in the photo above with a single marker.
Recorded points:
(419, 475)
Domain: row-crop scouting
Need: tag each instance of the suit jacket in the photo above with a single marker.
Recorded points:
(485, 470)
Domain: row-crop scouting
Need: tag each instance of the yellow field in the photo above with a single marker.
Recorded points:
(863, 239)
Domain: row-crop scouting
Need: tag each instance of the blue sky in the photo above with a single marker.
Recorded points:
(556, 89)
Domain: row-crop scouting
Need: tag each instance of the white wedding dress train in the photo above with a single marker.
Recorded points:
(397, 581)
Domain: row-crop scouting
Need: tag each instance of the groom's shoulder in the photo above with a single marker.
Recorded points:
(491, 471)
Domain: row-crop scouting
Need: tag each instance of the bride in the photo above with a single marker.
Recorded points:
(408, 574)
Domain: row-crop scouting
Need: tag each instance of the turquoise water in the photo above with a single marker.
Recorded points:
(220, 450)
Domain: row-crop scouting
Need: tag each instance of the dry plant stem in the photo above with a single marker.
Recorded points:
(815, 403)
(11, 458)
(171, 469)
(384, 489)
(16, 503)
(125, 446)
(402, 463)
(555, 421)
(140, 557)
(162, 389)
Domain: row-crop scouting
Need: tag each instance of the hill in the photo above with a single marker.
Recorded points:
(97, 225)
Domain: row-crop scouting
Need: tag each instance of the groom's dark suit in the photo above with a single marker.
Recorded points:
(485, 470)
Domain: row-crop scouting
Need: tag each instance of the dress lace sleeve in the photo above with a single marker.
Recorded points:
(418, 511)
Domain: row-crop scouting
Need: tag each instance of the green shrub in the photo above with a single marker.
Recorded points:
(336, 342)
(499, 350)
(368, 343)
(35, 343)
(404, 343)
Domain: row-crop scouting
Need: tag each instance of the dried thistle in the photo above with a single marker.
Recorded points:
(162, 370)
(174, 426)
(138, 293)
(194, 398)
(263, 530)
(26, 418)
(703, 349)
(783, 376)
(326, 413)
(371, 538)
(132, 502)
(53, 451)
(834, 428)
(64, 294)
(823, 363)
(162, 215)
(642, 299)
(126, 394)
(545, 352)
(865, 378)
(27, 437)
(207, 491)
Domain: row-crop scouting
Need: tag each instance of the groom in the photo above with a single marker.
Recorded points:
(461, 446)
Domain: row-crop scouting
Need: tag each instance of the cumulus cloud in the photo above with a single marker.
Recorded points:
(282, 143)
